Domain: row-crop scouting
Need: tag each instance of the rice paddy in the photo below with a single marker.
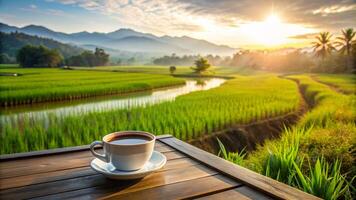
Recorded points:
(345, 83)
(240, 100)
(46, 85)
(316, 155)
(305, 154)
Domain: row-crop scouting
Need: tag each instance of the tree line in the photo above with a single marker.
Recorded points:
(10, 44)
(327, 55)
(41, 56)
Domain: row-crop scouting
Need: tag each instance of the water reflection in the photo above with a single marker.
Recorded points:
(130, 101)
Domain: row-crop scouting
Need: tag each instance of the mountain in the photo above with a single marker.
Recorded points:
(124, 32)
(200, 46)
(128, 40)
(12, 42)
(143, 44)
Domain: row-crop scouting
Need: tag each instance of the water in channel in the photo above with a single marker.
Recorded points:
(106, 103)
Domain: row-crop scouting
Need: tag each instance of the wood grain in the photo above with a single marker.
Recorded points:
(180, 190)
(232, 194)
(24, 161)
(60, 188)
(56, 164)
(77, 172)
(248, 177)
(55, 151)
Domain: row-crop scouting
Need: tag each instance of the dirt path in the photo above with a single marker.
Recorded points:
(248, 136)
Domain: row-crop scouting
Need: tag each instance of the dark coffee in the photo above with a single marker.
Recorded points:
(129, 139)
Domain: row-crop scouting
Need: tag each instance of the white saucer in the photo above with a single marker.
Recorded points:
(157, 161)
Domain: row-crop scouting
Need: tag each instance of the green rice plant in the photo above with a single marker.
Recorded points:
(283, 155)
(237, 101)
(234, 157)
(328, 130)
(41, 85)
(343, 82)
(323, 180)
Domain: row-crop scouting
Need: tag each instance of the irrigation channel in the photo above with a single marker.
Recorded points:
(247, 136)
(106, 103)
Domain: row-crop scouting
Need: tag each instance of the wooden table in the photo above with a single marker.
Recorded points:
(189, 173)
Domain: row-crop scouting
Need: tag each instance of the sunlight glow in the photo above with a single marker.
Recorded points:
(272, 31)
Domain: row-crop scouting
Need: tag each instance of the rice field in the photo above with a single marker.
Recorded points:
(317, 154)
(346, 82)
(240, 100)
(46, 85)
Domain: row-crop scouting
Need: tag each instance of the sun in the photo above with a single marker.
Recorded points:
(273, 30)
(269, 32)
(273, 19)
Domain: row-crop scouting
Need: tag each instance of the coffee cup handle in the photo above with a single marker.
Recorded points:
(98, 155)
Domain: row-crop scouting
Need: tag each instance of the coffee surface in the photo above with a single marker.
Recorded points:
(134, 139)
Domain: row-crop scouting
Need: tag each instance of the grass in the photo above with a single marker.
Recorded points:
(238, 101)
(235, 157)
(43, 85)
(148, 69)
(180, 70)
(316, 155)
(345, 82)
(324, 180)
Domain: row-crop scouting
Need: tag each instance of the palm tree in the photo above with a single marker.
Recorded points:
(347, 44)
(323, 46)
(346, 41)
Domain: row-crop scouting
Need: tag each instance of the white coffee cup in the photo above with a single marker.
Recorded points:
(126, 150)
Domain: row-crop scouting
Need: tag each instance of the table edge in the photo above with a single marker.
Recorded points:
(261, 183)
(7, 157)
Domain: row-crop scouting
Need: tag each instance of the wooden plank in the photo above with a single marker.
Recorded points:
(21, 181)
(75, 184)
(14, 156)
(253, 194)
(246, 176)
(180, 190)
(56, 165)
(65, 156)
(232, 194)
(243, 192)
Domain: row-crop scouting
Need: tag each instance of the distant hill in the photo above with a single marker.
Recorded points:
(128, 40)
(12, 42)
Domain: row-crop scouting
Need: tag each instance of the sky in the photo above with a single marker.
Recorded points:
(236, 23)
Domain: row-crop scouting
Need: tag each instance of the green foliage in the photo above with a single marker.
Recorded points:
(12, 42)
(234, 157)
(282, 157)
(324, 180)
(88, 58)
(40, 85)
(321, 141)
(189, 60)
(343, 82)
(189, 116)
(201, 65)
(172, 69)
(32, 56)
(323, 46)
(325, 135)
(346, 41)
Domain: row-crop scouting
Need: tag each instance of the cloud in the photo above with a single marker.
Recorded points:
(33, 6)
(334, 9)
(184, 16)
(304, 36)
(34, 9)
(158, 16)
(55, 12)
(316, 13)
